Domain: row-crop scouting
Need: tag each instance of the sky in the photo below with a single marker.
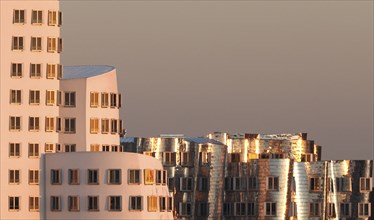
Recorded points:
(194, 67)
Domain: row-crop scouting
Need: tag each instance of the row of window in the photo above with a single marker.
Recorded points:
(107, 125)
(235, 157)
(112, 100)
(52, 70)
(34, 149)
(54, 17)
(54, 44)
(114, 203)
(15, 177)
(67, 125)
(185, 158)
(52, 97)
(114, 176)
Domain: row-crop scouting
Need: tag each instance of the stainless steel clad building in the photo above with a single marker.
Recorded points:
(256, 176)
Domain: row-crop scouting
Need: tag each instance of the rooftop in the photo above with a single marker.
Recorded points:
(79, 72)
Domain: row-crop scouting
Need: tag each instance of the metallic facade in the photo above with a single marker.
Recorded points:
(256, 176)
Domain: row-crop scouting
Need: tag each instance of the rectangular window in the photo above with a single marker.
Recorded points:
(114, 125)
(365, 184)
(54, 18)
(170, 204)
(73, 203)
(204, 158)
(164, 177)
(33, 150)
(33, 177)
(69, 99)
(114, 176)
(270, 209)
(70, 147)
(113, 100)
(59, 46)
(69, 125)
(34, 97)
(185, 158)
(94, 99)
(55, 203)
(49, 124)
(152, 203)
(34, 204)
(17, 43)
(119, 100)
(345, 209)
(234, 157)
(273, 183)
(171, 184)
(315, 184)
(314, 209)
(105, 148)
(14, 203)
(94, 125)
(14, 123)
(240, 209)
(59, 18)
(37, 17)
(15, 96)
(149, 177)
(58, 124)
(36, 44)
(134, 176)
(252, 183)
(203, 184)
(93, 177)
(18, 16)
(158, 177)
(343, 184)
(185, 208)
(203, 209)
(48, 147)
(293, 209)
(94, 147)
(104, 125)
(307, 157)
(34, 123)
(14, 176)
(52, 71)
(228, 209)
(364, 210)
(56, 177)
(52, 44)
(50, 97)
(60, 73)
(16, 70)
(35, 70)
(163, 204)
(14, 149)
(115, 203)
(93, 203)
(74, 176)
(168, 158)
(251, 209)
(136, 203)
(104, 100)
(331, 210)
(186, 184)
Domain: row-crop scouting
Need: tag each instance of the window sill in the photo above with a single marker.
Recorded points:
(16, 77)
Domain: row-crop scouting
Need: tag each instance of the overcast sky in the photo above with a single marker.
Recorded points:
(194, 67)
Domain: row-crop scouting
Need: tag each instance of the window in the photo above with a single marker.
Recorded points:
(149, 177)
(240, 208)
(114, 125)
(14, 203)
(18, 16)
(36, 44)
(36, 17)
(93, 203)
(69, 125)
(120, 127)
(170, 204)
(293, 209)
(94, 99)
(171, 184)
(35, 70)
(16, 70)
(251, 209)
(203, 209)
(331, 210)
(343, 184)
(55, 203)
(14, 123)
(48, 147)
(49, 124)
(70, 147)
(15, 96)
(93, 176)
(113, 100)
(168, 158)
(185, 208)
(59, 48)
(52, 70)
(17, 43)
(52, 44)
(56, 177)
(114, 176)
(345, 209)
(14, 176)
(33, 123)
(33, 150)
(104, 100)
(105, 148)
(74, 176)
(307, 157)
(104, 125)
(34, 204)
(163, 204)
(54, 18)
(58, 148)
(69, 99)
(34, 97)
(119, 100)
(134, 176)
(94, 147)
(73, 203)
(59, 71)
(234, 157)
(252, 183)
(228, 209)
(164, 177)
(364, 210)
(365, 184)
(315, 184)
(58, 124)
(186, 184)
(270, 208)
(33, 177)
(330, 184)
(204, 158)
(185, 158)
(14, 149)
(158, 177)
(314, 209)
(203, 184)
(136, 203)
(152, 203)
(273, 183)
(115, 203)
(94, 125)
(50, 99)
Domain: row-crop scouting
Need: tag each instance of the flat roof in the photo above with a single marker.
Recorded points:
(85, 71)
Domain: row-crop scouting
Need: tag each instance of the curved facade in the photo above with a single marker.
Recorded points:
(105, 185)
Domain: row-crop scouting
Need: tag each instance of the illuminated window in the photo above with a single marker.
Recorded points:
(314, 209)
(36, 44)
(16, 70)
(34, 97)
(14, 203)
(18, 16)
(14, 176)
(345, 209)
(93, 203)
(50, 97)
(34, 123)
(14, 123)
(73, 203)
(48, 147)
(185, 208)
(95, 147)
(315, 184)
(149, 177)
(203, 209)
(33, 150)
(55, 203)
(270, 209)
(94, 99)
(136, 203)
(273, 183)
(152, 203)
(17, 43)
(186, 184)
(14, 149)
(204, 158)
(93, 177)
(114, 176)
(73, 176)
(134, 176)
(49, 124)
(54, 18)
(365, 184)
(34, 204)
(37, 17)
(15, 96)
(94, 125)
(33, 177)
(56, 177)
(54, 44)
(104, 100)
(307, 157)
(53, 70)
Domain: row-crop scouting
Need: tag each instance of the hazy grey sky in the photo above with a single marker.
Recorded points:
(194, 67)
